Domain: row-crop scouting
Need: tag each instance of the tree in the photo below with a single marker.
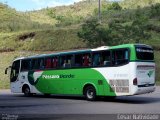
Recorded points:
(136, 31)
(117, 32)
(94, 33)
(155, 10)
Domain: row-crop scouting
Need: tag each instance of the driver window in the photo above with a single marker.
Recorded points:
(15, 71)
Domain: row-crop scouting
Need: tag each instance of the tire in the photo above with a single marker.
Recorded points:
(26, 91)
(90, 93)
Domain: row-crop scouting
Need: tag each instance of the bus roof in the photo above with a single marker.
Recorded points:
(83, 51)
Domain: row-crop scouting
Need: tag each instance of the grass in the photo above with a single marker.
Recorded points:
(6, 61)
(44, 40)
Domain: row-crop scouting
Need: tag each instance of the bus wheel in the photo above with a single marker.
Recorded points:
(26, 91)
(90, 93)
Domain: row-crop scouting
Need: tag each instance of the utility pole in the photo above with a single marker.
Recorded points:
(99, 11)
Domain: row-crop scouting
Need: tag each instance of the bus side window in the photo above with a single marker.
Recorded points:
(62, 61)
(66, 61)
(34, 63)
(48, 63)
(86, 60)
(25, 66)
(41, 63)
(78, 60)
(96, 59)
(101, 58)
(54, 62)
(120, 57)
(106, 56)
(69, 61)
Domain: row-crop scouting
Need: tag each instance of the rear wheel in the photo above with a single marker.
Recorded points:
(90, 93)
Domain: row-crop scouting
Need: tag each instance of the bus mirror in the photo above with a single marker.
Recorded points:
(6, 70)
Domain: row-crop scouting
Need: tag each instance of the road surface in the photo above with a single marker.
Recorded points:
(39, 105)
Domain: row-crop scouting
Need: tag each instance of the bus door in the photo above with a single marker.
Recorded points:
(14, 76)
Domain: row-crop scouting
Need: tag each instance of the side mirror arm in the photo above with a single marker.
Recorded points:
(6, 70)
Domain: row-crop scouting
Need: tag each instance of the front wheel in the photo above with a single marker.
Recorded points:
(26, 91)
(90, 93)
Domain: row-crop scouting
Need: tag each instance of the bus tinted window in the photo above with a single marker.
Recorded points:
(82, 60)
(78, 60)
(35, 64)
(38, 63)
(48, 63)
(51, 62)
(66, 61)
(144, 53)
(54, 62)
(101, 58)
(25, 65)
(86, 60)
(120, 56)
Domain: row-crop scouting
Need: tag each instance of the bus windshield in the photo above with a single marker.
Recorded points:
(144, 52)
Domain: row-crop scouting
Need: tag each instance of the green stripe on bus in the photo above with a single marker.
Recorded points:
(72, 82)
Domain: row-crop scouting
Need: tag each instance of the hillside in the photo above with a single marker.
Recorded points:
(133, 4)
(13, 21)
(28, 30)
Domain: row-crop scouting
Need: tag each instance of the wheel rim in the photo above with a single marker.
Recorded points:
(27, 91)
(90, 93)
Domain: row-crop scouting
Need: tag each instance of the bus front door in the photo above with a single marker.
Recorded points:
(14, 76)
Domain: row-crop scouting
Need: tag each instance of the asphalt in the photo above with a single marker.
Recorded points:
(16, 106)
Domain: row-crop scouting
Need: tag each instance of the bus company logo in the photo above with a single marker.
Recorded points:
(57, 76)
(150, 73)
(50, 76)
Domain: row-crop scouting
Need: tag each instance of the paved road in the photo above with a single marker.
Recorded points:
(14, 104)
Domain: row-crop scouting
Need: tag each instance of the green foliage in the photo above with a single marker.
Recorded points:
(117, 33)
(136, 30)
(94, 33)
(115, 6)
(51, 12)
(133, 4)
(97, 34)
(155, 10)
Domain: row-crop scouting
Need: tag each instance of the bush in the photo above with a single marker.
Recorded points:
(153, 27)
(115, 6)
(155, 10)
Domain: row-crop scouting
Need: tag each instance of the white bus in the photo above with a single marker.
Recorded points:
(127, 69)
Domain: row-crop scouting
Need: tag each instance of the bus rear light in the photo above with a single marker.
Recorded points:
(135, 81)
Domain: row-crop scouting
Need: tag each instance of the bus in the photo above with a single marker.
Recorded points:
(121, 70)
